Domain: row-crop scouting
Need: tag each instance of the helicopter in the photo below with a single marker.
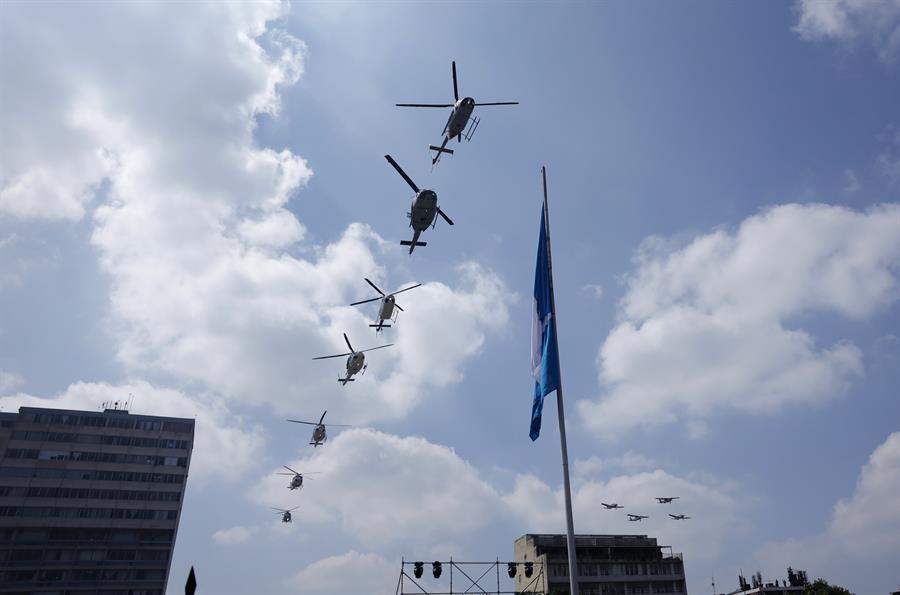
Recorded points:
(285, 513)
(611, 506)
(386, 308)
(668, 500)
(356, 360)
(319, 436)
(679, 517)
(637, 517)
(421, 213)
(296, 479)
(460, 118)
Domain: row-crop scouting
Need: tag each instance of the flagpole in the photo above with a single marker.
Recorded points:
(561, 416)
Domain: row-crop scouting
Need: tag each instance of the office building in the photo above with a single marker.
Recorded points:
(607, 564)
(90, 501)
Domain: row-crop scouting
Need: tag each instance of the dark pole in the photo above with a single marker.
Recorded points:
(561, 416)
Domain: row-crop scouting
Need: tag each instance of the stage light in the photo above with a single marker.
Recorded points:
(436, 569)
(529, 569)
(418, 569)
(511, 569)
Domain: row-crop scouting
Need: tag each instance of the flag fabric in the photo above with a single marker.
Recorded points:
(544, 352)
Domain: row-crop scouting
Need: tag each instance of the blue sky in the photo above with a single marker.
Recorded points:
(191, 194)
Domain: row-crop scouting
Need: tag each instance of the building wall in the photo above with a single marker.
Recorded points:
(607, 564)
(90, 501)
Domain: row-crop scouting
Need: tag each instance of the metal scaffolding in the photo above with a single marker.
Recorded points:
(465, 571)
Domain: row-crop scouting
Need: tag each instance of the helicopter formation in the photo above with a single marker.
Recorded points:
(636, 518)
(422, 214)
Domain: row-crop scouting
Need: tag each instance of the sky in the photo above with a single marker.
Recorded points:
(192, 193)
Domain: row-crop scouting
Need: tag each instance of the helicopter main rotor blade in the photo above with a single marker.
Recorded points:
(336, 426)
(365, 301)
(396, 305)
(424, 104)
(402, 173)
(309, 423)
(455, 89)
(499, 103)
(291, 470)
(374, 348)
(407, 288)
(444, 215)
(338, 355)
(348, 343)
(323, 417)
(375, 287)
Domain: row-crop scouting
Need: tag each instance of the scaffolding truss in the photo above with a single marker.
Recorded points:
(485, 573)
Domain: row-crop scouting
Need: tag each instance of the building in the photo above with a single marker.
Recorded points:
(90, 501)
(607, 564)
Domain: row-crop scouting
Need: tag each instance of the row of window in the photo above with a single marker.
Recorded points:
(126, 422)
(628, 588)
(90, 494)
(91, 475)
(87, 574)
(88, 513)
(106, 535)
(93, 457)
(42, 436)
(630, 569)
(82, 555)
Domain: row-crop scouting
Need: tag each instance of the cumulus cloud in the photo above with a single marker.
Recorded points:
(190, 215)
(712, 506)
(708, 326)
(10, 381)
(630, 461)
(406, 492)
(347, 573)
(864, 527)
(384, 488)
(877, 21)
(219, 434)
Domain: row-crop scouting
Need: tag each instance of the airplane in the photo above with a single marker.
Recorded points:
(422, 213)
(679, 517)
(285, 513)
(319, 436)
(356, 360)
(637, 517)
(386, 308)
(668, 500)
(610, 506)
(460, 118)
(296, 479)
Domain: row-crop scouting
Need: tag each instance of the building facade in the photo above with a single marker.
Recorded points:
(90, 501)
(607, 564)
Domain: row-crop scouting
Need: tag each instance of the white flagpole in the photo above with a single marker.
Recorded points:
(561, 416)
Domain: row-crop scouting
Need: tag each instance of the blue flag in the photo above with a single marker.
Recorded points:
(544, 353)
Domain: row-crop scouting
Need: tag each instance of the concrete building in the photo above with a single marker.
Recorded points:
(90, 501)
(607, 564)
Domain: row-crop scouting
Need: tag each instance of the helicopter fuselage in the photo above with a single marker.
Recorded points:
(286, 517)
(296, 482)
(459, 117)
(423, 210)
(387, 308)
(355, 362)
(319, 436)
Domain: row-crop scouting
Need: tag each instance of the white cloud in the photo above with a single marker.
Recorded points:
(10, 381)
(597, 290)
(384, 489)
(848, 20)
(352, 572)
(851, 182)
(234, 535)
(219, 435)
(865, 527)
(192, 225)
(711, 506)
(707, 327)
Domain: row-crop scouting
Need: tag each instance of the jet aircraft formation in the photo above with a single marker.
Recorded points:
(423, 213)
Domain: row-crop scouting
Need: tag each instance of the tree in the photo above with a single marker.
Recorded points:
(821, 587)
